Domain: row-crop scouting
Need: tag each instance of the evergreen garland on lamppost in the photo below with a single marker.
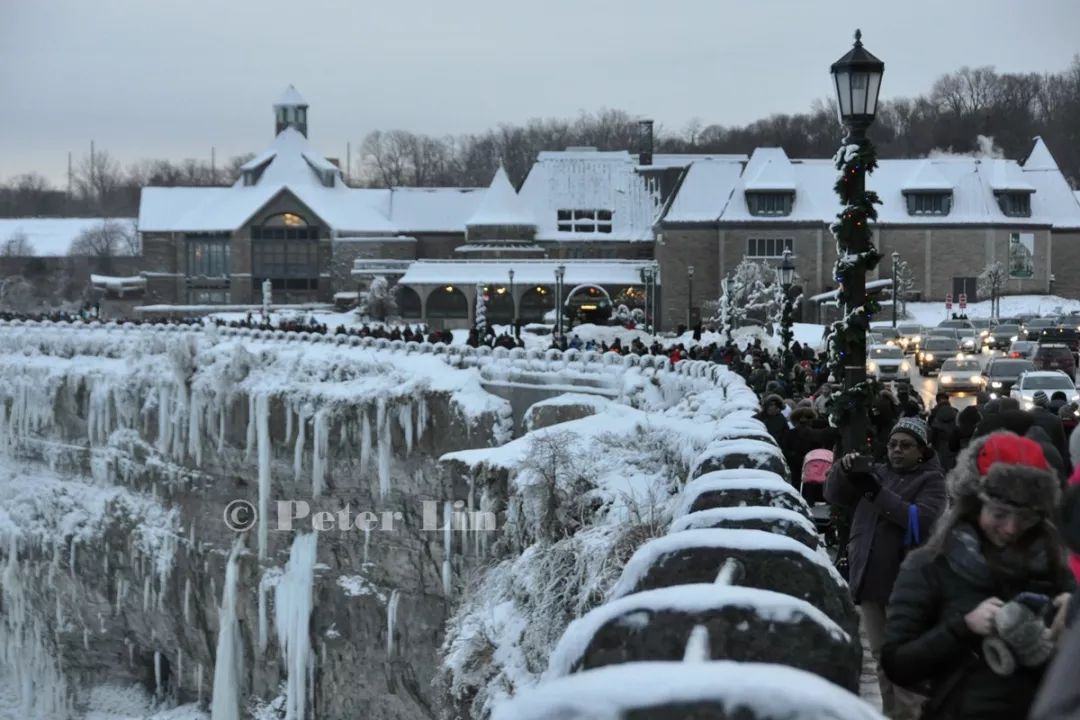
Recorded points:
(857, 76)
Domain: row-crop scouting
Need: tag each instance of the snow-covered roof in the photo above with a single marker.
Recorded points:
(501, 205)
(926, 176)
(592, 180)
(769, 169)
(290, 97)
(972, 180)
(526, 272)
(111, 282)
(705, 191)
(52, 237)
(609, 693)
(433, 209)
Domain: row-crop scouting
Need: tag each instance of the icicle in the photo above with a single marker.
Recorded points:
(292, 601)
(225, 703)
(262, 617)
(187, 600)
(249, 448)
(730, 572)
(421, 417)
(221, 429)
(365, 441)
(474, 532)
(384, 448)
(262, 422)
(157, 673)
(131, 654)
(164, 420)
(146, 594)
(179, 668)
(195, 410)
(391, 621)
(446, 569)
(191, 536)
(71, 560)
(367, 541)
(298, 453)
(320, 450)
(288, 420)
(697, 647)
(406, 423)
(86, 639)
(343, 434)
(105, 562)
(198, 683)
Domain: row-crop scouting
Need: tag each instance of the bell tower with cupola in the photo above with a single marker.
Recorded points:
(290, 111)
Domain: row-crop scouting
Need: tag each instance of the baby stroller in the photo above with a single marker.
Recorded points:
(815, 469)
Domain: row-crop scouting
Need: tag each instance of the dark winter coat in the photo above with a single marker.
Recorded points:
(942, 423)
(876, 543)
(1051, 423)
(966, 422)
(928, 646)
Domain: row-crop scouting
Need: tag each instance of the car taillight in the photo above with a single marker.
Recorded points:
(1014, 354)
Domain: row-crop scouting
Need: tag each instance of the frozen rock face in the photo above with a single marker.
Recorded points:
(121, 453)
(563, 409)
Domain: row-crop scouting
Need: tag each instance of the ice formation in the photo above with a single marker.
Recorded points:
(228, 659)
(262, 433)
(292, 608)
(320, 450)
(391, 621)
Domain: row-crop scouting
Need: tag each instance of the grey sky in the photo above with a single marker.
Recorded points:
(156, 78)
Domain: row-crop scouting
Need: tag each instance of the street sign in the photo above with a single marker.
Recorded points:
(963, 301)
(948, 301)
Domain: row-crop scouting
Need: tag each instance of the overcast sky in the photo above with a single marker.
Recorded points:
(163, 78)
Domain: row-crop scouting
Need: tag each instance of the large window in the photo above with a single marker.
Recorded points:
(1015, 204)
(768, 247)
(928, 203)
(584, 221)
(208, 255)
(770, 203)
(285, 251)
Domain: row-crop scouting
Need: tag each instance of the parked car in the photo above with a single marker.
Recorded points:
(1033, 328)
(886, 362)
(1054, 356)
(910, 337)
(961, 374)
(1001, 336)
(934, 352)
(1022, 349)
(1001, 374)
(1049, 381)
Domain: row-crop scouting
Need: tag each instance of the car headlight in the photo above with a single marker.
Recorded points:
(996, 384)
(985, 333)
(890, 343)
(979, 379)
(905, 367)
(871, 366)
(947, 379)
(1014, 338)
(1029, 404)
(916, 339)
(928, 356)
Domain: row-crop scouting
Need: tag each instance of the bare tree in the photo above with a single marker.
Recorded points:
(18, 245)
(108, 240)
(990, 282)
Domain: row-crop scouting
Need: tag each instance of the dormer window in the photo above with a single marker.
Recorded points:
(770, 203)
(928, 203)
(584, 221)
(1014, 203)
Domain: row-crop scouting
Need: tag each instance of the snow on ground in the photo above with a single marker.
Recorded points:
(931, 313)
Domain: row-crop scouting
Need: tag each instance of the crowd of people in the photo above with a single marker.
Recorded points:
(958, 531)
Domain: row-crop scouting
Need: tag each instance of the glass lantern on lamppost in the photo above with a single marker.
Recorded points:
(857, 79)
(787, 280)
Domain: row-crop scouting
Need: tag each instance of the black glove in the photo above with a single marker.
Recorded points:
(866, 484)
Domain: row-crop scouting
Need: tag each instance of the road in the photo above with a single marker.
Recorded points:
(927, 386)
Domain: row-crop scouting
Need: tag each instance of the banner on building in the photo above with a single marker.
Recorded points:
(1021, 255)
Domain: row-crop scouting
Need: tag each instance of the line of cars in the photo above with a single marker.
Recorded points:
(1037, 354)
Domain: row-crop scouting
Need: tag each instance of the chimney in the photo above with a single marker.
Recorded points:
(645, 142)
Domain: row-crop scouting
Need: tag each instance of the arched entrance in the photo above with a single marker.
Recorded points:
(587, 304)
(447, 303)
(500, 306)
(408, 303)
(535, 302)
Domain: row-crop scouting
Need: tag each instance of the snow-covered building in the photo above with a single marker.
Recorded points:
(293, 220)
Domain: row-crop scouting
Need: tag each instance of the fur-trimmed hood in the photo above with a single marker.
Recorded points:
(1023, 485)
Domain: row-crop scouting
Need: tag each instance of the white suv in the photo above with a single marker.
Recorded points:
(1049, 381)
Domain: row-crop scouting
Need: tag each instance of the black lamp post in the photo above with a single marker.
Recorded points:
(689, 295)
(560, 273)
(787, 280)
(857, 77)
(513, 303)
(648, 276)
(895, 285)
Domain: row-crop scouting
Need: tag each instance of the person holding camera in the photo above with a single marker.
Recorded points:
(895, 504)
(975, 615)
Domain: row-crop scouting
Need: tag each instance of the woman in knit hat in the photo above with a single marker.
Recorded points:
(997, 541)
(889, 501)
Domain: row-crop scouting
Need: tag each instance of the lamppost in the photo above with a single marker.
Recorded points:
(857, 78)
(648, 276)
(513, 303)
(787, 279)
(689, 295)
(895, 285)
(560, 273)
